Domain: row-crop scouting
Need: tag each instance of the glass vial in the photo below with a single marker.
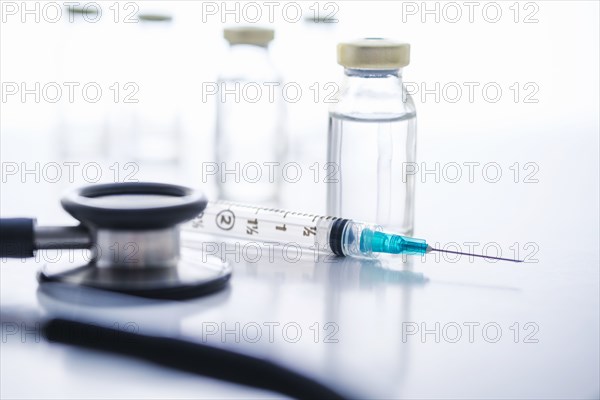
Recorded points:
(82, 133)
(250, 141)
(372, 137)
(157, 122)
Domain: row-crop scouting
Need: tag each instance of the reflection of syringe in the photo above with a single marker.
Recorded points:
(342, 237)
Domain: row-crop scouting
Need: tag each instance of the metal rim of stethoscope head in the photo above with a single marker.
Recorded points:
(117, 206)
(133, 234)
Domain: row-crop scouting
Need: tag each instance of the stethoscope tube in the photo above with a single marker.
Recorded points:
(21, 237)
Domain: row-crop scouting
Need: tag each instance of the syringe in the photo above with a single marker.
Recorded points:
(323, 234)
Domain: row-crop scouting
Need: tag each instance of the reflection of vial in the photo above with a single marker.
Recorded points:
(372, 137)
(249, 138)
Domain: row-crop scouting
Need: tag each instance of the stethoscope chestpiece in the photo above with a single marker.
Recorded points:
(135, 245)
(133, 205)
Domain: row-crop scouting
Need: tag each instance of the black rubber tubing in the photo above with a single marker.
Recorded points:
(16, 237)
(195, 358)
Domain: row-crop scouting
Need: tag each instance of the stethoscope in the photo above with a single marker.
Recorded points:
(132, 230)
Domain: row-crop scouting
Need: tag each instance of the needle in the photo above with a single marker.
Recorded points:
(473, 255)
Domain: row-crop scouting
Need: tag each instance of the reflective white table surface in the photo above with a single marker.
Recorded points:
(433, 327)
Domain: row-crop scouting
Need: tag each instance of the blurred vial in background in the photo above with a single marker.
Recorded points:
(306, 119)
(82, 128)
(124, 95)
(250, 139)
(372, 135)
(157, 127)
(318, 79)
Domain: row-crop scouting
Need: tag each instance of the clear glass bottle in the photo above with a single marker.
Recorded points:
(82, 133)
(157, 123)
(250, 142)
(372, 137)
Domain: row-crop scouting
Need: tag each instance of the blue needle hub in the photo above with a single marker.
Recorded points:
(381, 242)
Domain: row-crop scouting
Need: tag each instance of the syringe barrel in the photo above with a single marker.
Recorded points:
(309, 232)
